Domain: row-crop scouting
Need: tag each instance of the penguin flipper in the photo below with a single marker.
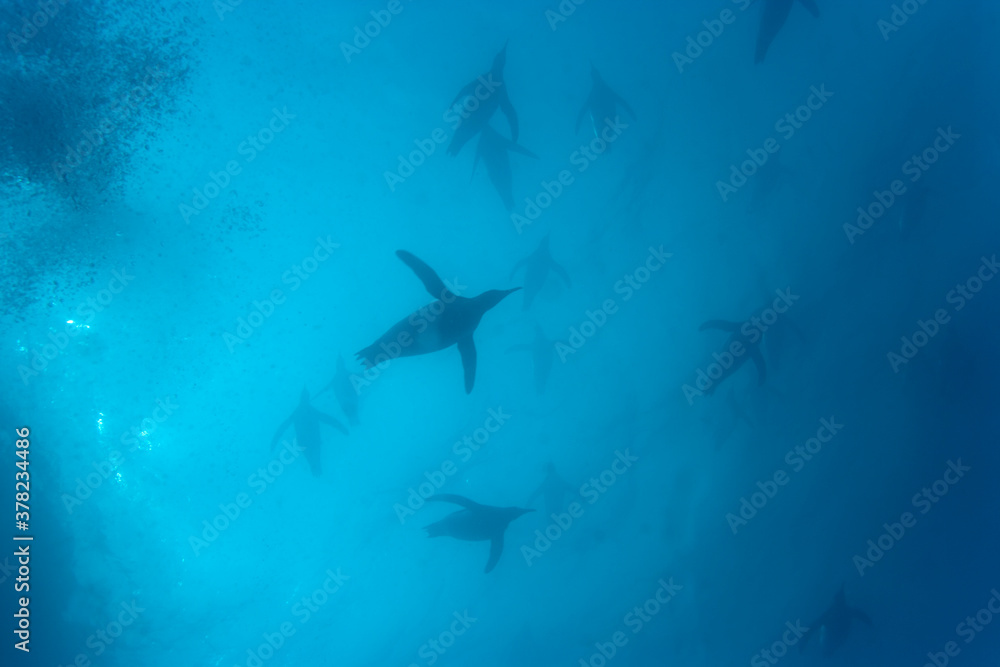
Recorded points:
(496, 550)
(772, 19)
(467, 348)
(723, 325)
(455, 499)
(811, 6)
(758, 360)
(432, 283)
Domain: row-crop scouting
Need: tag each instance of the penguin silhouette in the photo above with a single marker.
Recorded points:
(475, 523)
(449, 320)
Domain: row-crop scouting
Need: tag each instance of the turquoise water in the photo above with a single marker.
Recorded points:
(746, 386)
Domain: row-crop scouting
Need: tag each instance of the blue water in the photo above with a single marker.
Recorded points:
(751, 403)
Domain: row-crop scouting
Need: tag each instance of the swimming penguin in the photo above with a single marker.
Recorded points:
(475, 523)
(492, 149)
(749, 339)
(772, 19)
(602, 104)
(306, 420)
(489, 92)
(543, 353)
(537, 266)
(554, 489)
(834, 625)
(449, 320)
(344, 391)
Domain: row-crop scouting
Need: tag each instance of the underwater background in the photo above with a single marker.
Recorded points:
(748, 387)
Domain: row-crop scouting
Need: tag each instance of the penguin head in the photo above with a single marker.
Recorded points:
(487, 300)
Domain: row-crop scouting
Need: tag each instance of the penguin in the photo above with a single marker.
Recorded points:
(834, 625)
(537, 266)
(344, 391)
(543, 353)
(750, 343)
(490, 93)
(449, 320)
(602, 104)
(772, 19)
(306, 420)
(554, 490)
(492, 149)
(475, 523)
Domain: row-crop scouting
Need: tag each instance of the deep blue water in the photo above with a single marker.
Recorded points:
(748, 388)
